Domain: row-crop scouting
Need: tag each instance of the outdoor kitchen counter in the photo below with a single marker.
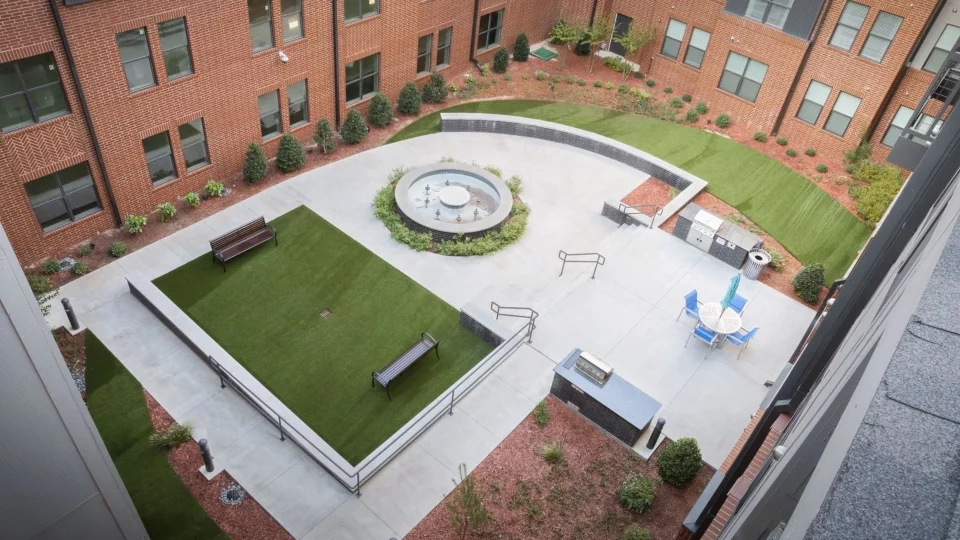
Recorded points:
(730, 244)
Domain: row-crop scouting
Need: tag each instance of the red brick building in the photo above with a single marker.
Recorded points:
(110, 107)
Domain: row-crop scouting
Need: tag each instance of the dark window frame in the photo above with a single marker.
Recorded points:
(425, 55)
(671, 40)
(72, 216)
(786, 5)
(169, 154)
(26, 93)
(149, 56)
(285, 17)
(443, 50)
(361, 5)
(856, 29)
(484, 33)
(202, 142)
(185, 46)
(936, 49)
(272, 135)
(362, 76)
(268, 23)
(833, 111)
(819, 105)
(691, 46)
(742, 76)
(305, 102)
(889, 41)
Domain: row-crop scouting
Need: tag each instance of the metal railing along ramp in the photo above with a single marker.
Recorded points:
(595, 259)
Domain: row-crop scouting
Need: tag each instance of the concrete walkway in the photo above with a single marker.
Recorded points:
(625, 315)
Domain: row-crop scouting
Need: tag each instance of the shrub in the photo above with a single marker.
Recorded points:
(290, 154)
(506, 78)
(777, 260)
(760, 136)
(50, 267)
(381, 110)
(192, 199)
(81, 268)
(676, 103)
(636, 532)
(521, 48)
(857, 155)
(526, 76)
(692, 116)
(552, 452)
(808, 282)
(541, 415)
(791, 152)
(668, 90)
(617, 64)
(651, 83)
(407, 103)
(39, 284)
(172, 437)
(85, 250)
(325, 138)
(556, 79)
(167, 211)
(687, 97)
(822, 168)
(500, 60)
(435, 91)
(117, 249)
(508, 234)
(255, 165)
(810, 152)
(623, 89)
(383, 209)
(680, 462)
(494, 171)
(850, 169)
(723, 120)
(541, 75)
(135, 223)
(213, 189)
(782, 141)
(597, 84)
(581, 82)
(608, 86)
(702, 108)
(484, 70)
(637, 493)
(467, 510)
(354, 128)
(569, 79)
(874, 188)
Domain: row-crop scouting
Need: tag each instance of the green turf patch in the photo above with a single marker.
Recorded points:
(116, 403)
(544, 53)
(266, 312)
(806, 220)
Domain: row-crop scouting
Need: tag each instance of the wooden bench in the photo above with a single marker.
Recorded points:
(241, 240)
(394, 369)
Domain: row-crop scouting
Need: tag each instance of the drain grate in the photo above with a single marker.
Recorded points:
(326, 314)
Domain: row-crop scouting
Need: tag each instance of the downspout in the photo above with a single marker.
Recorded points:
(593, 13)
(803, 65)
(86, 113)
(336, 66)
(473, 33)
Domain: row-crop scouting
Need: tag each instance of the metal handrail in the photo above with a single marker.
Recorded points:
(362, 476)
(596, 260)
(527, 313)
(638, 209)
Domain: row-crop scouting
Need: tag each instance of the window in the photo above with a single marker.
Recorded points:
(193, 142)
(135, 57)
(743, 76)
(358, 9)
(156, 148)
(772, 12)
(62, 197)
(297, 103)
(261, 24)
(424, 44)
(942, 48)
(884, 28)
(899, 122)
(176, 48)
(363, 77)
(443, 46)
(843, 111)
(699, 40)
(30, 92)
(813, 101)
(269, 104)
(490, 25)
(927, 125)
(948, 82)
(851, 20)
(291, 13)
(673, 39)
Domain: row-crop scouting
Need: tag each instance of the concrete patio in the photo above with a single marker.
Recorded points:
(626, 315)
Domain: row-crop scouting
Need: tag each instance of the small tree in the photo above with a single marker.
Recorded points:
(500, 60)
(255, 166)
(435, 91)
(808, 282)
(324, 137)
(521, 48)
(467, 510)
(596, 36)
(680, 462)
(567, 35)
(635, 39)
(409, 101)
(290, 154)
(381, 110)
(354, 129)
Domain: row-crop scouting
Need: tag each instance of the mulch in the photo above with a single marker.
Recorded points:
(652, 191)
(576, 499)
(245, 521)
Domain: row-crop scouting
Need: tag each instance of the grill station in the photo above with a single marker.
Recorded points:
(719, 237)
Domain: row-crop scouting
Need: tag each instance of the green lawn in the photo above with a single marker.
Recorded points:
(116, 403)
(265, 310)
(801, 216)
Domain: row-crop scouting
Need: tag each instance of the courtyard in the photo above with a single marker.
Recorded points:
(626, 315)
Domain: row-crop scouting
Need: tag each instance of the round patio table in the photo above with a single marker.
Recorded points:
(719, 320)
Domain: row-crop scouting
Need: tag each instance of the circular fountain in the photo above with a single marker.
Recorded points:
(449, 199)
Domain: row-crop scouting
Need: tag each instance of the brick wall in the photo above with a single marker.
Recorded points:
(909, 92)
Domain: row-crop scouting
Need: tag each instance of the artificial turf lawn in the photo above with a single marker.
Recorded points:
(116, 403)
(265, 311)
(806, 220)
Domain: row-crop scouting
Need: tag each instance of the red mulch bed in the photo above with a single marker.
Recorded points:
(531, 499)
(652, 191)
(245, 521)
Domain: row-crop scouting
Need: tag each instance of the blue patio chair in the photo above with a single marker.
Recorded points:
(705, 335)
(738, 303)
(741, 339)
(691, 307)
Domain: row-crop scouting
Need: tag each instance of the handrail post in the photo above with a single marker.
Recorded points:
(216, 367)
(451, 401)
(280, 425)
(358, 485)
(595, 265)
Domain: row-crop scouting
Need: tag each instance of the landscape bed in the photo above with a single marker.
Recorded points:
(265, 310)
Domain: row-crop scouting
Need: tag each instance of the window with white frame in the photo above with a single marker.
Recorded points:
(697, 48)
(941, 49)
(743, 76)
(813, 102)
(673, 38)
(842, 113)
(771, 12)
(897, 125)
(881, 36)
(851, 20)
